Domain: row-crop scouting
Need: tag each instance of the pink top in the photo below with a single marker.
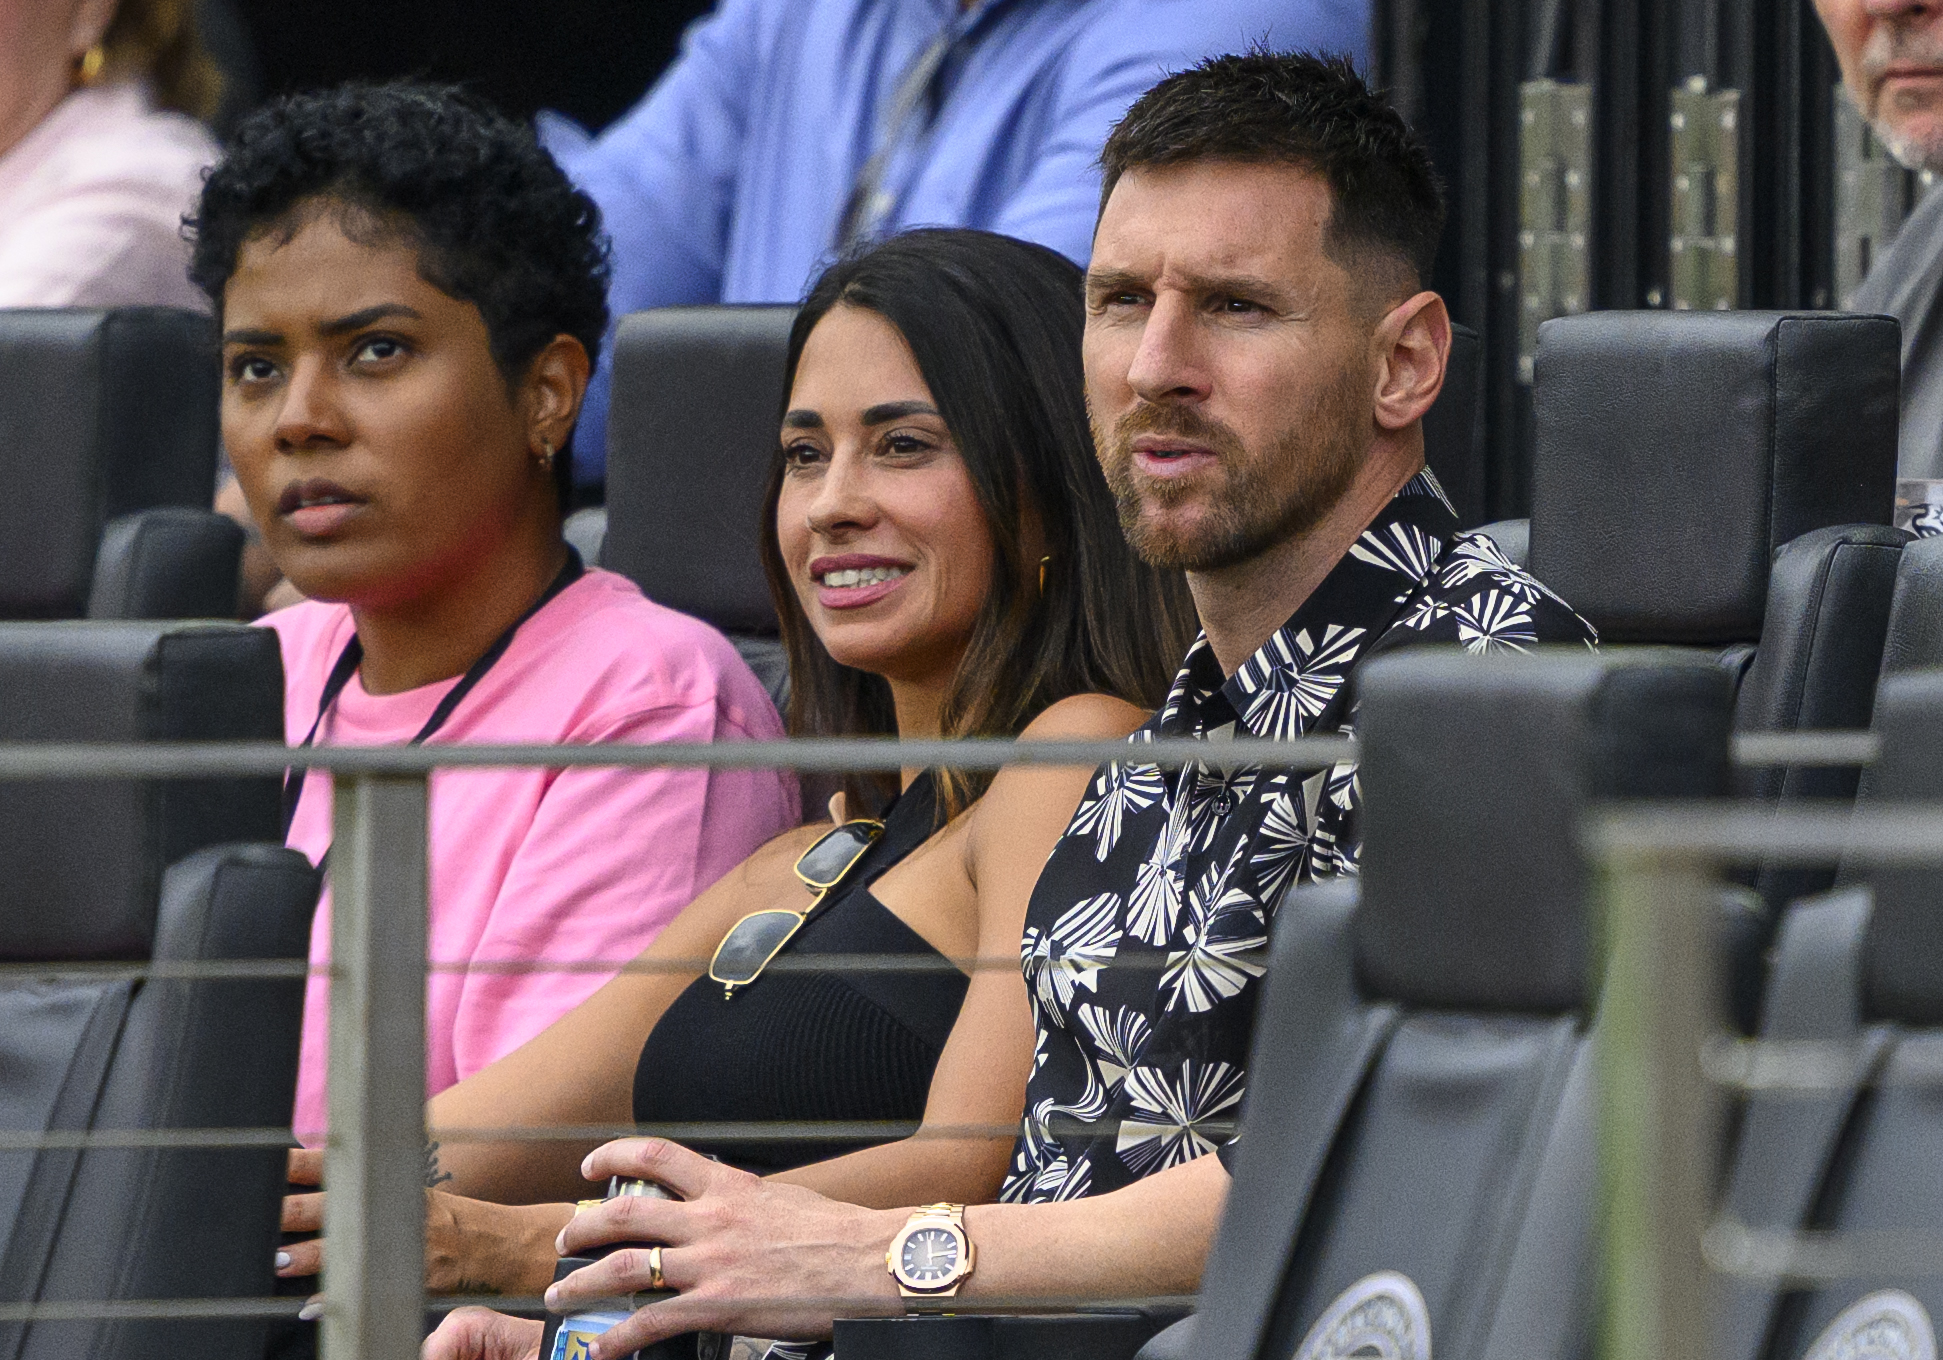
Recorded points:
(577, 866)
(91, 204)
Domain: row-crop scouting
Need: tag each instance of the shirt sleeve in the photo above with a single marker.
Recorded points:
(664, 177)
(107, 245)
(611, 857)
(1123, 53)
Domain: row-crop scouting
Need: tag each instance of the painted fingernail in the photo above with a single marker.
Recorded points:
(311, 1311)
(283, 1260)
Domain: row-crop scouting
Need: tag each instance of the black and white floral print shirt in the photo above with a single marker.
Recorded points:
(1145, 935)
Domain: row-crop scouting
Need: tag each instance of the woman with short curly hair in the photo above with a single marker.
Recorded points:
(411, 297)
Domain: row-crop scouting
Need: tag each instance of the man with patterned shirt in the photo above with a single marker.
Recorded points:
(1260, 352)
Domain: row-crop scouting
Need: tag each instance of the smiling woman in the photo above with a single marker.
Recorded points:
(411, 298)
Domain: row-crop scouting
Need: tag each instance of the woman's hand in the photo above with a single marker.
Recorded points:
(471, 1247)
(303, 1214)
(481, 1334)
(748, 1256)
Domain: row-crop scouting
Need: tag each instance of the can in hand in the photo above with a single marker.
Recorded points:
(566, 1337)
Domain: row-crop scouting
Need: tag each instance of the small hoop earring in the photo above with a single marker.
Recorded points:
(89, 69)
(1042, 572)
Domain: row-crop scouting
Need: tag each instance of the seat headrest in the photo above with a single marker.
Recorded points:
(1454, 427)
(1902, 954)
(1475, 772)
(1676, 451)
(101, 413)
(698, 394)
(82, 859)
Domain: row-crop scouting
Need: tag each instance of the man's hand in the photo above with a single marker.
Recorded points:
(748, 1256)
(481, 1334)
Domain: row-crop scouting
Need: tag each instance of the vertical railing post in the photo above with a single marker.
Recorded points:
(374, 1161)
(1657, 1112)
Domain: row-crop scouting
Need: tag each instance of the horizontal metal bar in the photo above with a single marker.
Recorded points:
(1906, 833)
(1735, 1249)
(826, 755)
(692, 1131)
(221, 970)
(21, 1141)
(160, 1310)
(1806, 748)
(147, 1310)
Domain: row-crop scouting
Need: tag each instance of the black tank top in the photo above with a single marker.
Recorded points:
(842, 1045)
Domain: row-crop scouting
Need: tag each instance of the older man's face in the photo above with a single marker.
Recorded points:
(1891, 53)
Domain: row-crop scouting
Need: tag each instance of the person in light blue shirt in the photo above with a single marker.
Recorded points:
(788, 129)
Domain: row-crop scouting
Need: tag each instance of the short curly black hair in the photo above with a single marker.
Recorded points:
(1297, 108)
(495, 220)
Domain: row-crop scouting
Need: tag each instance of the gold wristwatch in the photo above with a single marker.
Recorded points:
(931, 1255)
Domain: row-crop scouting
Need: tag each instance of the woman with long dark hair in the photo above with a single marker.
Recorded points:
(946, 560)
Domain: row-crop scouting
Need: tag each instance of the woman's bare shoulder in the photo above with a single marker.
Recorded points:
(1080, 717)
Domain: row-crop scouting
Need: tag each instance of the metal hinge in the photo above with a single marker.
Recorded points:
(1554, 208)
(1873, 197)
(1706, 274)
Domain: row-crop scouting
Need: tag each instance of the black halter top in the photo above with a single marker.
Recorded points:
(844, 1044)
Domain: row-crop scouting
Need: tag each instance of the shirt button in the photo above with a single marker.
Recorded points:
(1224, 804)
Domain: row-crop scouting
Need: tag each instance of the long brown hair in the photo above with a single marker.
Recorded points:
(157, 40)
(995, 327)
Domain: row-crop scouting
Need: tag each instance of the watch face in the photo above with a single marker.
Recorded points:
(929, 1257)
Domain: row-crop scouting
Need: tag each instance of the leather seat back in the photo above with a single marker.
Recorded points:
(1676, 452)
(1727, 479)
(102, 413)
(1424, 1029)
(101, 872)
(698, 397)
(1858, 987)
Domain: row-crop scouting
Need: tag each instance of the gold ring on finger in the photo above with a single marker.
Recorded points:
(656, 1280)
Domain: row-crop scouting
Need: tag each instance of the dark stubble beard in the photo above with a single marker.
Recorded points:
(1263, 498)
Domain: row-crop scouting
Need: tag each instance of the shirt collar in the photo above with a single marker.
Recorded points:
(1288, 686)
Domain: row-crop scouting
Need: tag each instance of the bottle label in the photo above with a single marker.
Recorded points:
(578, 1330)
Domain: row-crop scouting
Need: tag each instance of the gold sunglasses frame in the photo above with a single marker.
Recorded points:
(818, 891)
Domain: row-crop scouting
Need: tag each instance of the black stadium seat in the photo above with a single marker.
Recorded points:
(167, 563)
(102, 414)
(1857, 994)
(698, 397)
(1421, 1075)
(1726, 480)
(166, 872)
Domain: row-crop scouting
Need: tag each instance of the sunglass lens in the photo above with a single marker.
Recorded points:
(824, 862)
(750, 945)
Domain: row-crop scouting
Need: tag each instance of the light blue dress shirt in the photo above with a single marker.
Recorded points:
(729, 181)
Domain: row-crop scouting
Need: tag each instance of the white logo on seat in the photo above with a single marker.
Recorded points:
(1887, 1325)
(1380, 1317)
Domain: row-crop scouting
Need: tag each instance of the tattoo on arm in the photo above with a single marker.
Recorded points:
(434, 1177)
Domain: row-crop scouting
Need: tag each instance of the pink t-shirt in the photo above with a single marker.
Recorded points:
(578, 865)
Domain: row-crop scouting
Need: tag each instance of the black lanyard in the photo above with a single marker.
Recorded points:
(353, 653)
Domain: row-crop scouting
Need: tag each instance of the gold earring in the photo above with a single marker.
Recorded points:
(92, 60)
(1042, 572)
(546, 455)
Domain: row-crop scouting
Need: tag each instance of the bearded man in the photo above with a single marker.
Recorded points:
(1260, 352)
(1891, 55)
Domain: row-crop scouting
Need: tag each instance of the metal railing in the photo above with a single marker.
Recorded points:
(1659, 865)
